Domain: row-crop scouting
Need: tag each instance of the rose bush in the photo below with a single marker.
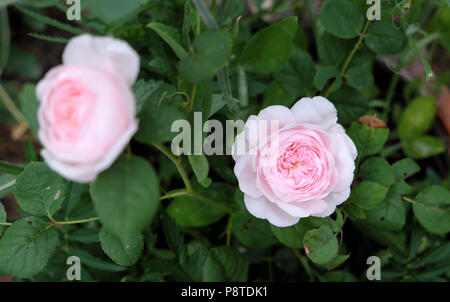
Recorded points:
(306, 167)
(357, 167)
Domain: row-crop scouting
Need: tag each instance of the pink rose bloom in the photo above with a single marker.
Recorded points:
(87, 108)
(304, 167)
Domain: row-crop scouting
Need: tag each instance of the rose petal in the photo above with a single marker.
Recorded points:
(264, 209)
(104, 52)
(246, 175)
(316, 111)
(303, 209)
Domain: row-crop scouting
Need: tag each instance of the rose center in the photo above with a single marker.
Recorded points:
(71, 105)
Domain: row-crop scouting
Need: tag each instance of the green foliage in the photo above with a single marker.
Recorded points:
(297, 75)
(349, 103)
(368, 141)
(377, 169)
(251, 231)
(124, 252)
(385, 37)
(211, 50)
(341, 18)
(29, 106)
(431, 207)
(321, 245)
(126, 196)
(26, 247)
(225, 264)
(39, 191)
(268, 50)
(417, 119)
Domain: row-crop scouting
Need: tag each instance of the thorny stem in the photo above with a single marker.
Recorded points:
(189, 190)
(12, 108)
(408, 199)
(192, 98)
(177, 162)
(349, 58)
(55, 223)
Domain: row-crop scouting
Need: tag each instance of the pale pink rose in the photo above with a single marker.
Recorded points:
(87, 108)
(303, 168)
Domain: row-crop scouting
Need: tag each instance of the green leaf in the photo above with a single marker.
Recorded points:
(111, 11)
(417, 118)
(76, 190)
(213, 271)
(2, 216)
(297, 75)
(225, 264)
(368, 195)
(144, 90)
(269, 49)
(52, 22)
(171, 37)
(292, 236)
(30, 153)
(384, 37)
(212, 49)
(200, 166)
(174, 235)
(423, 146)
(332, 50)
(339, 276)
(124, 252)
(350, 104)
(405, 168)
(192, 212)
(390, 215)
(336, 262)
(276, 95)
(94, 262)
(88, 235)
(341, 18)
(432, 209)
(7, 183)
(126, 197)
(325, 73)
(49, 38)
(378, 170)
(11, 169)
(5, 37)
(26, 247)
(231, 9)
(359, 77)
(251, 231)
(354, 211)
(39, 191)
(29, 106)
(159, 112)
(368, 141)
(321, 245)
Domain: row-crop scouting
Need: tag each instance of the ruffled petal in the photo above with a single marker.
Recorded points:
(104, 52)
(316, 111)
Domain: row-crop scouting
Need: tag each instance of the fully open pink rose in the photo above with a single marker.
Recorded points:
(87, 108)
(303, 168)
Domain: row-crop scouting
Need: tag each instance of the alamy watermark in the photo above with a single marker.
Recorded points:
(374, 11)
(251, 136)
(74, 10)
(74, 271)
(374, 270)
